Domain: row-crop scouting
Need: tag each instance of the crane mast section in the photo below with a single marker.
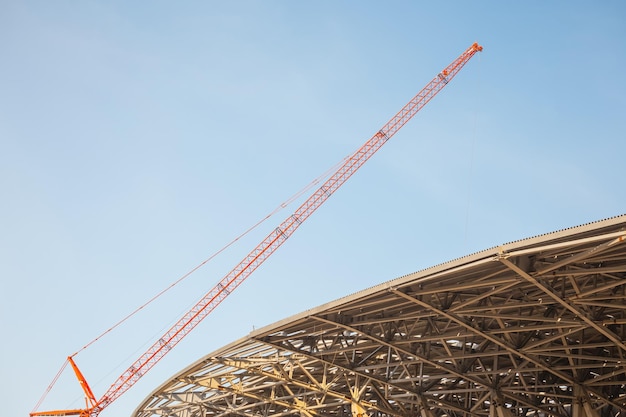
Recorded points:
(275, 239)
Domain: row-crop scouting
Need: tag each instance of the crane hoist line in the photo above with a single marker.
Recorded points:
(262, 251)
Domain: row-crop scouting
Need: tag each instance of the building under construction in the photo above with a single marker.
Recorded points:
(535, 327)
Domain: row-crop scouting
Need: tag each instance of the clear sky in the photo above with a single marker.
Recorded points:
(138, 138)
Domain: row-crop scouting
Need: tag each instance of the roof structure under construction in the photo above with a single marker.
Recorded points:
(535, 327)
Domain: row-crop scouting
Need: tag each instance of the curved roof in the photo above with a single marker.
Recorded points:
(535, 327)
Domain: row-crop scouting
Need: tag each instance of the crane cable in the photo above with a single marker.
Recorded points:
(281, 206)
(200, 265)
(54, 380)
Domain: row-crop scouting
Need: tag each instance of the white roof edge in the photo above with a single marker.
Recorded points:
(471, 259)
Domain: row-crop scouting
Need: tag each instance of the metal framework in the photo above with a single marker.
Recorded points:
(535, 327)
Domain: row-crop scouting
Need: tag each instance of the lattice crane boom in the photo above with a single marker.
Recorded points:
(264, 249)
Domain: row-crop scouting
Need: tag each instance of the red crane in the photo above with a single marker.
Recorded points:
(263, 250)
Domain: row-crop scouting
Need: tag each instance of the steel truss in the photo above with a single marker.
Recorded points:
(535, 327)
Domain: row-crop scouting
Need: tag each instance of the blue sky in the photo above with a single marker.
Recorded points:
(137, 139)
